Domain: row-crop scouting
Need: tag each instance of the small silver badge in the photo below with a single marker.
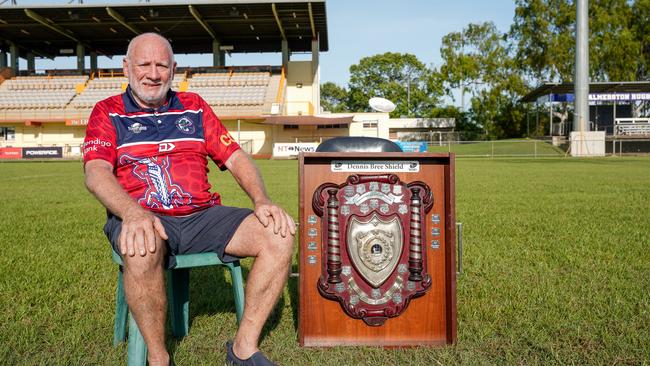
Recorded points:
(397, 190)
(312, 245)
(346, 270)
(435, 244)
(403, 209)
(312, 233)
(374, 186)
(339, 287)
(311, 219)
(376, 294)
(345, 210)
(435, 219)
(354, 299)
(397, 298)
(384, 208)
(385, 188)
(361, 188)
(364, 208)
(311, 259)
(435, 231)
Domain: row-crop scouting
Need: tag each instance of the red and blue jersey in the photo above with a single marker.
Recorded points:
(160, 156)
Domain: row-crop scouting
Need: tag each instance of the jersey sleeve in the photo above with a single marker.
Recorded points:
(101, 138)
(219, 143)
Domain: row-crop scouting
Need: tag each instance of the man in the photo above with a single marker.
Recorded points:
(145, 159)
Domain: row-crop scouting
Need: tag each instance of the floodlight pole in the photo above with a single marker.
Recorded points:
(581, 81)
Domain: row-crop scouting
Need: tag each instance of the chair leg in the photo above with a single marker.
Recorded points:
(137, 348)
(237, 288)
(178, 296)
(121, 310)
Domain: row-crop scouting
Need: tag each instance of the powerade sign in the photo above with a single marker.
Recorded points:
(42, 152)
(412, 146)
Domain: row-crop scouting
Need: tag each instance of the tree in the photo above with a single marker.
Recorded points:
(333, 98)
(640, 25)
(478, 60)
(544, 35)
(401, 78)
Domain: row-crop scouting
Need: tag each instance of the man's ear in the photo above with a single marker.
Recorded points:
(125, 67)
(174, 70)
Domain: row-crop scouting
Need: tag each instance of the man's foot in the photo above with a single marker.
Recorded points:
(257, 359)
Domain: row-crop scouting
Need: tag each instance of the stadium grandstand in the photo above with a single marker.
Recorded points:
(266, 108)
(620, 109)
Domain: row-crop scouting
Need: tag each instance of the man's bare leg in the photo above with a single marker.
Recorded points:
(144, 286)
(265, 281)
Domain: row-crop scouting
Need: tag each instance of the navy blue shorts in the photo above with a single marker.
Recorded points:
(209, 230)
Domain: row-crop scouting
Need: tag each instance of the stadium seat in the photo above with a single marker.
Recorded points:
(358, 144)
(178, 298)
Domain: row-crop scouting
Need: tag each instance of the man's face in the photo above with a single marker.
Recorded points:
(150, 70)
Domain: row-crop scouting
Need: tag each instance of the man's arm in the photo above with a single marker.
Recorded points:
(248, 176)
(139, 226)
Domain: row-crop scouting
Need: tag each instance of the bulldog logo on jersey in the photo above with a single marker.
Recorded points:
(374, 261)
(185, 125)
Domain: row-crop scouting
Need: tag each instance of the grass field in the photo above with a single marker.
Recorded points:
(556, 270)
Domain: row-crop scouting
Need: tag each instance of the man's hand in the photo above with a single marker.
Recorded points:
(270, 213)
(139, 231)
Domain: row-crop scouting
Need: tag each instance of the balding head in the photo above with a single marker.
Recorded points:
(150, 37)
(149, 65)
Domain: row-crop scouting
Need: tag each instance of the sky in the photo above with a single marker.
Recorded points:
(356, 29)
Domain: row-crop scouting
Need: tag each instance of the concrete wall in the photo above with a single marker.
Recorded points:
(299, 99)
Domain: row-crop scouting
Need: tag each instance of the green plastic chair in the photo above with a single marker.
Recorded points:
(178, 296)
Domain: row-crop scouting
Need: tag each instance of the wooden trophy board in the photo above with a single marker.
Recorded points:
(428, 318)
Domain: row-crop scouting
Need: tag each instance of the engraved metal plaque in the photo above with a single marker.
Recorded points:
(312, 219)
(311, 259)
(312, 245)
(435, 218)
(435, 231)
(435, 244)
(312, 233)
(374, 247)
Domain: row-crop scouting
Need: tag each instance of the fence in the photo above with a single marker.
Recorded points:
(498, 148)
(534, 148)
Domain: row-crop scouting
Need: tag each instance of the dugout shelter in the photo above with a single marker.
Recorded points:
(621, 109)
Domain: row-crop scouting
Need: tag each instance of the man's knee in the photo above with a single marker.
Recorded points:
(280, 247)
(138, 265)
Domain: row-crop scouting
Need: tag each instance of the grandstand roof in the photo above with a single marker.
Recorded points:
(239, 25)
(308, 120)
(594, 88)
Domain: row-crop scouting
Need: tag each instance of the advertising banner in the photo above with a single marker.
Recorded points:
(42, 152)
(291, 149)
(412, 146)
(10, 153)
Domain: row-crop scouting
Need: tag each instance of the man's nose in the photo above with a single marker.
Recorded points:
(154, 74)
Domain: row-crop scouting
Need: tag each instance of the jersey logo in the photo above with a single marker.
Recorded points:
(226, 139)
(166, 147)
(161, 191)
(137, 128)
(185, 125)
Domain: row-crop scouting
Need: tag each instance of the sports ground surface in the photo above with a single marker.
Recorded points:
(556, 270)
